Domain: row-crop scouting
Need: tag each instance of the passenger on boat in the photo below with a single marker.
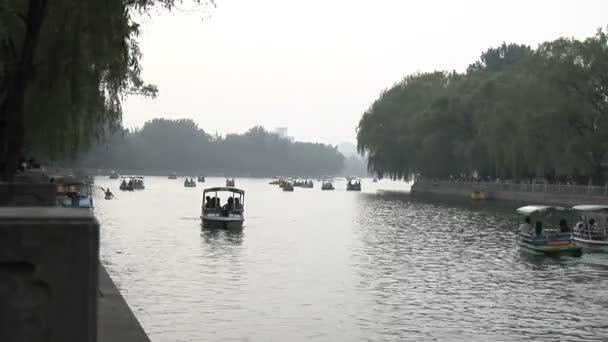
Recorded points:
(526, 228)
(563, 226)
(208, 202)
(237, 204)
(538, 229)
(124, 183)
(109, 193)
(229, 204)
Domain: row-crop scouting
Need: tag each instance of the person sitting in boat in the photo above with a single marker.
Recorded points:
(237, 204)
(124, 183)
(109, 193)
(229, 204)
(594, 230)
(526, 228)
(208, 202)
(538, 229)
(563, 226)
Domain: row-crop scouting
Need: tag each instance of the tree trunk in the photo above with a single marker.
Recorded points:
(12, 129)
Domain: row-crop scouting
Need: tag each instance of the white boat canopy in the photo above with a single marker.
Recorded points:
(531, 209)
(225, 188)
(591, 207)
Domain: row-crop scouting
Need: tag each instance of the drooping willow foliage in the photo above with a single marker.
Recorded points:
(65, 67)
(516, 113)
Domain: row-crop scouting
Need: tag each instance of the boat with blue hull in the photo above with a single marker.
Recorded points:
(545, 231)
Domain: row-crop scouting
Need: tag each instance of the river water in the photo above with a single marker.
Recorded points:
(315, 265)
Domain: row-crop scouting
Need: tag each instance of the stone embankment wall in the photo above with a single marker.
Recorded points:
(526, 193)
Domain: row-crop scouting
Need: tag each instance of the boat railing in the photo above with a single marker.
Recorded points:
(591, 234)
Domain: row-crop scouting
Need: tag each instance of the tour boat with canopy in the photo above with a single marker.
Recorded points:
(74, 194)
(114, 175)
(228, 216)
(189, 183)
(590, 232)
(353, 185)
(545, 231)
(201, 179)
(230, 182)
(327, 185)
(173, 176)
(287, 186)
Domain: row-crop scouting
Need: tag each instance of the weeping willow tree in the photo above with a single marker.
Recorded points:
(515, 113)
(65, 67)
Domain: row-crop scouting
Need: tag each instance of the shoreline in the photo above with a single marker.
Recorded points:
(568, 195)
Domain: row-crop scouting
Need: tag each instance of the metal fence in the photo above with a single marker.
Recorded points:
(520, 187)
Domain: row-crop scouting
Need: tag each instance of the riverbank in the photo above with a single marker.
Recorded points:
(115, 320)
(557, 194)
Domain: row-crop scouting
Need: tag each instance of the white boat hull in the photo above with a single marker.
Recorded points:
(592, 245)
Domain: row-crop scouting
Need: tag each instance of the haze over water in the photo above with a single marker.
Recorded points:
(314, 265)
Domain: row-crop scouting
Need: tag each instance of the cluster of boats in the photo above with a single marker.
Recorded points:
(547, 230)
(288, 184)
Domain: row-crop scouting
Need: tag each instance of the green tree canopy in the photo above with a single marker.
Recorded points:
(515, 113)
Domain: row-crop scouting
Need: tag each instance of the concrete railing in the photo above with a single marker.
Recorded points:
(491, 187)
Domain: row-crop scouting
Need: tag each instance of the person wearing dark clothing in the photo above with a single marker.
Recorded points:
(538, 230)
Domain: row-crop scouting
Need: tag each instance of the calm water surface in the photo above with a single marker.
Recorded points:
(341, 266)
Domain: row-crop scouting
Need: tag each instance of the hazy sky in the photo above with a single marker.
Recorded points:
(315, 66)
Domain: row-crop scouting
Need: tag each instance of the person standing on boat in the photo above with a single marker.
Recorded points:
(526, 228)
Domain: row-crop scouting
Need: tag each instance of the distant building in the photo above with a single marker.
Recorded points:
(281, 131)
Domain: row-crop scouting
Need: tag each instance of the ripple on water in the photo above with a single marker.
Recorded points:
(342, 266)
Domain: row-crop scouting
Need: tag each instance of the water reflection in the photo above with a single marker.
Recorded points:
(222, 236)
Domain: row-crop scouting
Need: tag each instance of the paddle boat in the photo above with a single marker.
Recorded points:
(230, 182)
(375, 180)
(545, 231)
(189, 183)
(590, 232)
(74, 194)
(229, 216)
(114, 175)
(287, 186)
(130, 183)
(138, 183)
(172, 176)
(353, 185)
(201, 179)
(479, 195)
(327, 185)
